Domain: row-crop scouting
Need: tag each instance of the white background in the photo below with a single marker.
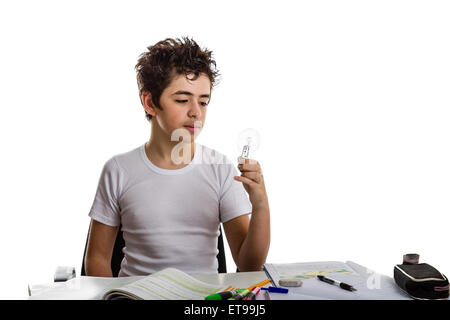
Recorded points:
(351, 99)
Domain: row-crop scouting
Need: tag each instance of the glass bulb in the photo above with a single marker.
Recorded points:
(248, 140)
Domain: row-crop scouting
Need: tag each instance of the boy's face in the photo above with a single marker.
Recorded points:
(184, 102)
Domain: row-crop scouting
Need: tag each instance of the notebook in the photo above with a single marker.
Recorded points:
(369, 285)
(167, 284)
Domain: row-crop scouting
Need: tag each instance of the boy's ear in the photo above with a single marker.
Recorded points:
(147, 103)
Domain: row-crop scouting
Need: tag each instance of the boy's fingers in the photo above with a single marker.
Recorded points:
(249, 167)
(244, 180)
(255, 176)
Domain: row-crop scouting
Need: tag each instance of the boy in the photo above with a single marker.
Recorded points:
(170, 196)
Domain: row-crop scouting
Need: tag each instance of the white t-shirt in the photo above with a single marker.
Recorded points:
(170, 218)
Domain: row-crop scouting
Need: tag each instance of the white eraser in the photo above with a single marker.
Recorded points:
(290, 282)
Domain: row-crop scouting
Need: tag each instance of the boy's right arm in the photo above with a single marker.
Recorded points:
(100, 249)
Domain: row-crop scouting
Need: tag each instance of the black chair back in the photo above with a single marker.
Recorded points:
(117, 256)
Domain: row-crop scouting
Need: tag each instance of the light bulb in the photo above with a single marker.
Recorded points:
(248, 140)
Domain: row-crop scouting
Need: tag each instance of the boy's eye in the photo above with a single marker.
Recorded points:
(184, 101)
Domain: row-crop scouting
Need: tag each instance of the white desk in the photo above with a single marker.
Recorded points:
(91, 288)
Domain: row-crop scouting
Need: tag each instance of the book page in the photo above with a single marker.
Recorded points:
(369, 285)
(312, 288)
(378, 286)
(168, 284)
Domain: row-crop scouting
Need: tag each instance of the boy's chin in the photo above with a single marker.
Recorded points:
(191, 139)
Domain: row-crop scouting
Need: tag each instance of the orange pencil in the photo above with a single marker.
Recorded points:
(262, 283)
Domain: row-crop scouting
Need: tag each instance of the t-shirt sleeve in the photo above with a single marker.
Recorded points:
(105, 208)
(234, 200)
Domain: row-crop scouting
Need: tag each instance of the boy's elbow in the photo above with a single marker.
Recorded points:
(252, 260)
(251, 264)
(250, 267)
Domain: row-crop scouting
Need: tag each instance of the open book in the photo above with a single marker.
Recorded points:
(369, 284)
(167, 284)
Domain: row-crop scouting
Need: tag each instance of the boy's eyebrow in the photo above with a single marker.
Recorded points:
(190, 94)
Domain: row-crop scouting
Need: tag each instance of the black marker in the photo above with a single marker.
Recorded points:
(335, 282)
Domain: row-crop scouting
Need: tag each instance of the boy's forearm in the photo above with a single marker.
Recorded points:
(98, 268)
(254, 249)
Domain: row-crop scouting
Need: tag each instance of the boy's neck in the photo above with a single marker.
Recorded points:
(159, 153)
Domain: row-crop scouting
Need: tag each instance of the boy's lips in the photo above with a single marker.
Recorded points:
(193, 125)
(191, 128)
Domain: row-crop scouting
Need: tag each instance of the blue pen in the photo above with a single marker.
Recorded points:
(275, 289)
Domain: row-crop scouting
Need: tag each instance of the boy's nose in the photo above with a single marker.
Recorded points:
(195, 110)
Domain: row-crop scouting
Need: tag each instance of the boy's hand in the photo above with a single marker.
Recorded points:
(253, 181)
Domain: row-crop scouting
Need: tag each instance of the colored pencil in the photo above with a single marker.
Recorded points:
(262, 283)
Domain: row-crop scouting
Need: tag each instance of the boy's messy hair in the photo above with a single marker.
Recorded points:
(167, 58)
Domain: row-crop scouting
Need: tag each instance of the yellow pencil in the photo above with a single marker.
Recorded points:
(262, 283)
